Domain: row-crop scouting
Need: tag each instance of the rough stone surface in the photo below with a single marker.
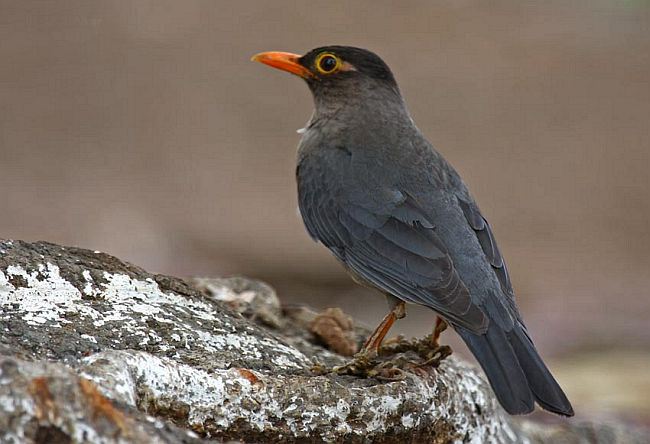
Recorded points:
(50, 403)
(254, 299)
(84, 302)
(93, 349)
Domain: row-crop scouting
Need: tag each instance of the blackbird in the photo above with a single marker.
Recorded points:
(396, 214)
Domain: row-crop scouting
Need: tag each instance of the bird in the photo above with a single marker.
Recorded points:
(397, 215)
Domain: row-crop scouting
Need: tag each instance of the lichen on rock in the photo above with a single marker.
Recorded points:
(93, 349)
(88, 306)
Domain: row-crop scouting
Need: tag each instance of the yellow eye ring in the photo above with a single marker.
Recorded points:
(327, 63)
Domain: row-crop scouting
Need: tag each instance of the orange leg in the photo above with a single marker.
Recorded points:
(398, 311)
(441, 326)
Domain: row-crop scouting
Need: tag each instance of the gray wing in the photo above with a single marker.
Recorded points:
(488, 243)
(388, 242)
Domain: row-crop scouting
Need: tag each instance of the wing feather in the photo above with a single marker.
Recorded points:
(393, 247)
(488, 244)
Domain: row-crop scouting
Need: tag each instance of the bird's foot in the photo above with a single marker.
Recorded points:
(393, 360)
(432, 352)
(358, 365)
(436, 356)
(429, 352)
(367, 365)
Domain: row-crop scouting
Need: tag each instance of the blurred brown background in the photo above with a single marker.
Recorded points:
(142, 129)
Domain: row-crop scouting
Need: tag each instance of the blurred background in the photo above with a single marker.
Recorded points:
(142, 129)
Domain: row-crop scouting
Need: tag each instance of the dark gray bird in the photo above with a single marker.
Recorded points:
(375, 192)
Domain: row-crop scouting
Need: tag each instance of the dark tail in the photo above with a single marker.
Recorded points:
(515, 370)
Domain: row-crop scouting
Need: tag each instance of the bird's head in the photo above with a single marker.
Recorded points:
(338, 74)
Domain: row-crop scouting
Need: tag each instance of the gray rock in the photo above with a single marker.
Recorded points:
(98, 350)
(66, 303)
(45, 402)
(255, 300)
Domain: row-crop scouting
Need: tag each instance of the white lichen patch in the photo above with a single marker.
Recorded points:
(408, 421)
(88, 289)
(11, 405)
(469, 388)
(218, 396)
(60, 402)
(131, 308)
(129, 295)
(339, 415)
(223, 398)
(47, 298)
(89, 338)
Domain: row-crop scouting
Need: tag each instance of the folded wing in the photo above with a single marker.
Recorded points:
(394, 247)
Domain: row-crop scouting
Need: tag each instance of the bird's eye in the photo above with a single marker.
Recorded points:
(327, 63)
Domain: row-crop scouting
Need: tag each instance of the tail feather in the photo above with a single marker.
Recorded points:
(515, 370)
(545, 388)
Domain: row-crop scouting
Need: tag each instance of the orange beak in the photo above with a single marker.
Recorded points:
(284, 61)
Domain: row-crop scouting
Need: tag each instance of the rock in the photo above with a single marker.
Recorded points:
(50, 403)
(93, 349)
(583, 433)
(255, 300)
(84, 302)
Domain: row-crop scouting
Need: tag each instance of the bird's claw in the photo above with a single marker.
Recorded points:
(436, 356)
(367, 367)
(371, 363)
(359, 365)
